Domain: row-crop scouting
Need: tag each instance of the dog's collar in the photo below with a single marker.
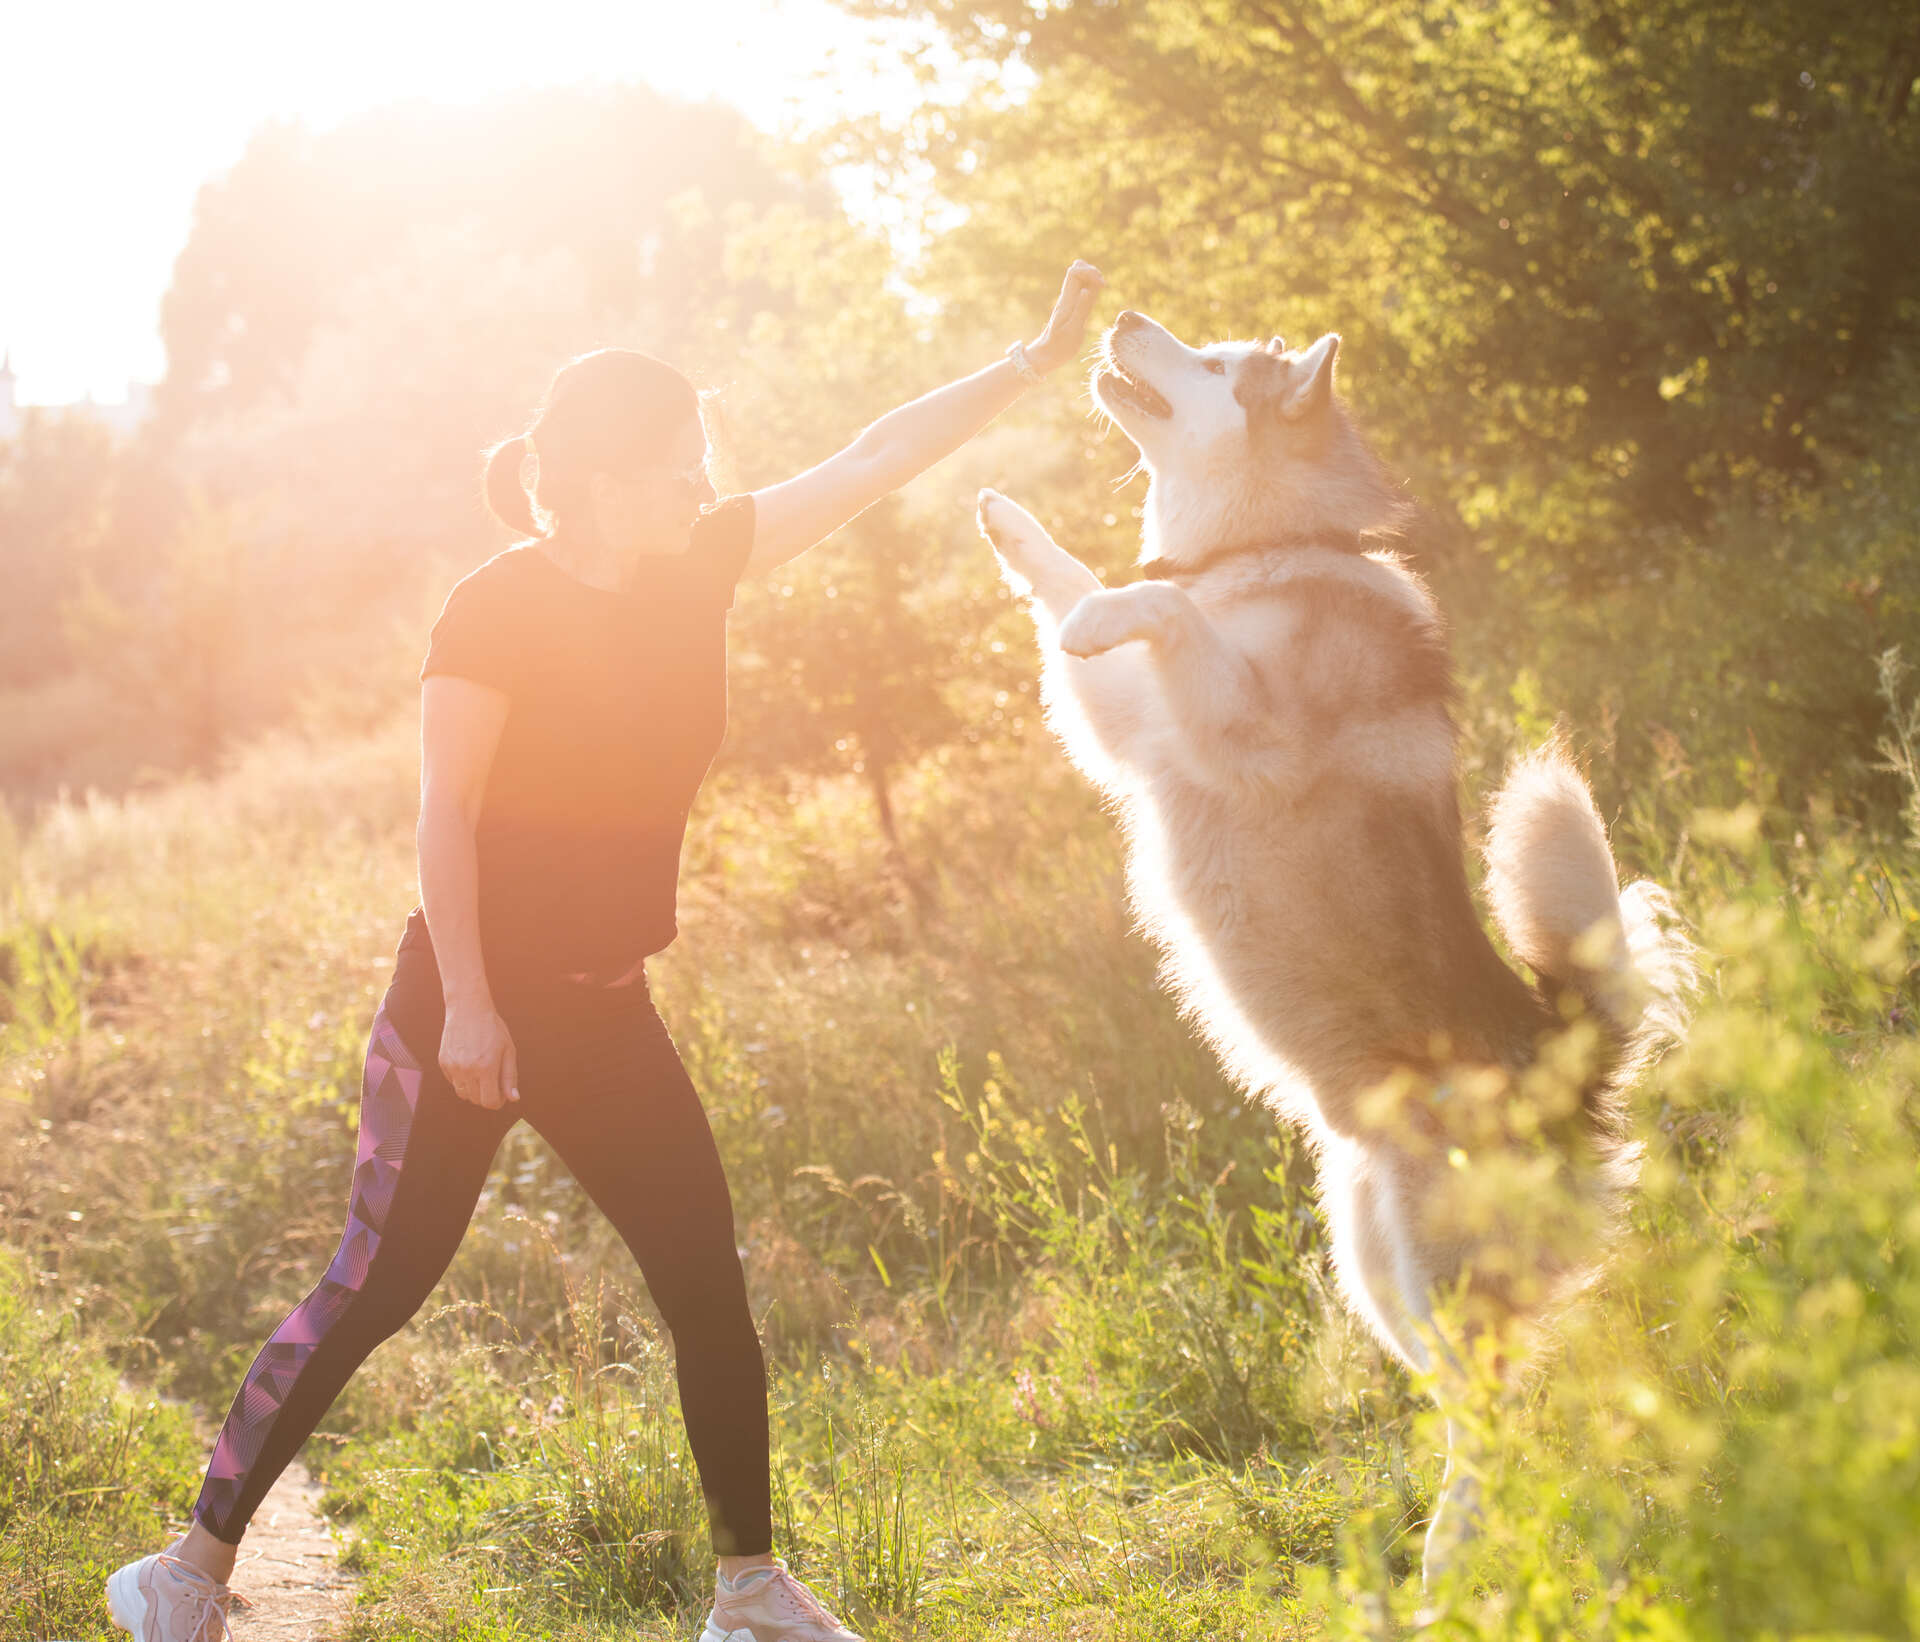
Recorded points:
(1166, 570)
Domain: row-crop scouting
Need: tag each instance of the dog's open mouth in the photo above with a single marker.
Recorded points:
(1118, 383)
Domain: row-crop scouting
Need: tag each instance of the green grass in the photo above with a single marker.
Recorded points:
(1054, 1352)
(85, 1467)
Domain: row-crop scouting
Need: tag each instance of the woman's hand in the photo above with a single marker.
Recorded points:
(1066, 327)
(791, 516)
(477, 1055)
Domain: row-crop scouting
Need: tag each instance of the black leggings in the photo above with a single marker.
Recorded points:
(600, 1080)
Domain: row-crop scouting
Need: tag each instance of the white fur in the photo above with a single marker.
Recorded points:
(1247, 788)
(1555, 894)
(1550, 876)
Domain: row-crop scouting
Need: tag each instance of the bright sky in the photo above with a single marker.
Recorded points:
(112, 114)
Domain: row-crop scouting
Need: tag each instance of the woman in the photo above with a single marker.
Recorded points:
(572, 697)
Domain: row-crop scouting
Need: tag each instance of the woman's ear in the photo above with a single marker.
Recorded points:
(606, 506)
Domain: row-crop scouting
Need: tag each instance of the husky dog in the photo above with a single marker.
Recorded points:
(1268, 709)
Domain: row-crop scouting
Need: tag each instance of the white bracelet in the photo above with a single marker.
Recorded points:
(1022, 365)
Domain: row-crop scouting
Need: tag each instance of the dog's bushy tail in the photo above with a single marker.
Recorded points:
(1556, 896)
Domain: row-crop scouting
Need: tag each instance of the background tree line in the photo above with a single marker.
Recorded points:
(356, 315)
(1628, 293)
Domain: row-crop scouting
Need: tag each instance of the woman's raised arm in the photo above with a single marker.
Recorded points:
(790, 517)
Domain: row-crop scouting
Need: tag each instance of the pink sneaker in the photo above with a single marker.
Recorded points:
(160, 1598)
(770, 1605)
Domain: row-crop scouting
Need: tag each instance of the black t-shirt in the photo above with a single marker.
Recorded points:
(618, 703)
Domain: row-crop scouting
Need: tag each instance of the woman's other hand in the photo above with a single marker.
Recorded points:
(477, 1055)
(1066, 327)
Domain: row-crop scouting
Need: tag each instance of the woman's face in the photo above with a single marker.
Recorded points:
(651, 506)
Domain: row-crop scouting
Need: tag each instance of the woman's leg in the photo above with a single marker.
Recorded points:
(423, 1157)
(618, 1107)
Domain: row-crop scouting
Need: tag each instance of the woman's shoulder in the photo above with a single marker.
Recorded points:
(482, 623)
(508, 574)
(509, 562)
(722, 541)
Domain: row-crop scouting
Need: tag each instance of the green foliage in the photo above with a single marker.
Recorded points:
(1619, 292)
(837, 669)
(1049, 1313)
(856, 1489)
(179, 651)
(41, 996)
(1900, 746)
(1167, 1317)
(1724, 1445)
(1588, 240)
(56, 489)
(85, 1467)
(1749, 676)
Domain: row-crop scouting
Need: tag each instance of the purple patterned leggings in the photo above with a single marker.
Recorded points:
(601, 1082)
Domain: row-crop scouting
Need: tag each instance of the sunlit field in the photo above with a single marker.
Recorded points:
(1054, 1349)
(1054, 1345)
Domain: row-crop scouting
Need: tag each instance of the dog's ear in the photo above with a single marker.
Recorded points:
(1276, 388)
(1261, 384)
(1276, 345)
(1310, 385)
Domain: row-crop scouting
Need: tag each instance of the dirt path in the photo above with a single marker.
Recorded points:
(289, 1567)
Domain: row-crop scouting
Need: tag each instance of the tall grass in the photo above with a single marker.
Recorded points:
(1053, 1347)
(85, 1467)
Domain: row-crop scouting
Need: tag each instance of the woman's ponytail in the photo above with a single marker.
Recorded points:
(507, 496)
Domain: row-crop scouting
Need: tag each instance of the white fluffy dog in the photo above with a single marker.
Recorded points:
(1268, 708)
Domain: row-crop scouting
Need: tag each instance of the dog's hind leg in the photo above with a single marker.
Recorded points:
(1389, 1275)
(1456, 1510)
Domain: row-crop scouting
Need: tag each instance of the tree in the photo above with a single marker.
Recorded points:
(76, 503)
(598, 180)
(1631, 258)
(179, 651)
(56, 496)
(847, 659)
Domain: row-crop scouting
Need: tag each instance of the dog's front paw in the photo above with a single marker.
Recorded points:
(1102, 621)
(1014, 532)
(997, 516)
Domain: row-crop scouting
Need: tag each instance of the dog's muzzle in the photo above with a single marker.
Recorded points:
(1116, 382)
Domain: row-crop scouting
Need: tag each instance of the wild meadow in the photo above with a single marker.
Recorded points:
(1052, 1343)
